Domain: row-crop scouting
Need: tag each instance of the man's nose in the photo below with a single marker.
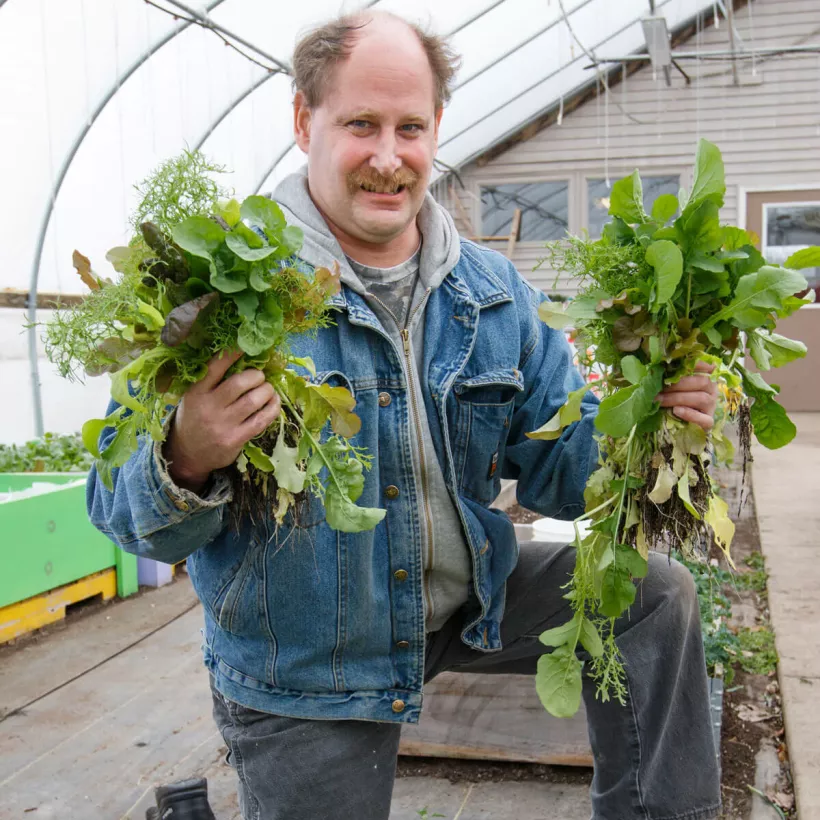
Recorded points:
(385, 159)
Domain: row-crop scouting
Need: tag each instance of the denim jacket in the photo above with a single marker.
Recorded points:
(314, 623)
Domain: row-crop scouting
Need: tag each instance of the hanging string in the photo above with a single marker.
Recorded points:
(253, 131)
(716, 13)
(698, 43)
(118, 105)
(606, 129)
(180, 87)
(50, 141)
(598, 105)
(818, 95)
(623, 93)
(752, 37)
(86, 52)
(560, 119)
(147, 73)
(658, 84)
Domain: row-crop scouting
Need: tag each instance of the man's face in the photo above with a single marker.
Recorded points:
(371, 141)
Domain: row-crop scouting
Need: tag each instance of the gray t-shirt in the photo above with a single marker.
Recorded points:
(393, 286)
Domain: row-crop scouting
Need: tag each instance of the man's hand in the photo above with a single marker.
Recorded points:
(215, 419)
(693, 398)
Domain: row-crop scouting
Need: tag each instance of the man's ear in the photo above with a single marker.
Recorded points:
(301, 121)
(439, 112)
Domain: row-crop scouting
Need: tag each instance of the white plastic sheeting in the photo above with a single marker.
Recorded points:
(95, 93)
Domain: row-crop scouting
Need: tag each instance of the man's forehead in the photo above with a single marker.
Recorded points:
(388, 50)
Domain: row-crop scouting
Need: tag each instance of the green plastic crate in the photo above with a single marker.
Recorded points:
(47, 541)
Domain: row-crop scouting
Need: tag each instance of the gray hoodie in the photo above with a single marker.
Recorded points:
(446, 556)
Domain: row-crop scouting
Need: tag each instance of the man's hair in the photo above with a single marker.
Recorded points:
(322, 49)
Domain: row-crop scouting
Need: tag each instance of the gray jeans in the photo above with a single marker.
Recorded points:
(654, 757)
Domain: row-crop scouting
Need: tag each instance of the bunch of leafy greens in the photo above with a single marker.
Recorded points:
(656, 297)
(53, 453)
(208, 277)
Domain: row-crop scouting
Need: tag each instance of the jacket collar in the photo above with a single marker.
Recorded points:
(471, 279)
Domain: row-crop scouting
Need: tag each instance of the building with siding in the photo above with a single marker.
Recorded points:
(763, 112)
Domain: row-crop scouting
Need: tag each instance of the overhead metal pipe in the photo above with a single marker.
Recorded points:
(31, 311)
(713, 54)
(233, 105)
(206, 21)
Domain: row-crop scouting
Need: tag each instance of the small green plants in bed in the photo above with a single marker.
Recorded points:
(201, 276)
(52, 453)
(659, 294)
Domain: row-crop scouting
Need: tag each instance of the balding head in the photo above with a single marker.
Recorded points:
(320, 51)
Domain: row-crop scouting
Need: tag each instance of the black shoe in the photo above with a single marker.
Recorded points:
(186, 800)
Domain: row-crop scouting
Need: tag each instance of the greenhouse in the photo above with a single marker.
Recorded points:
(297, 352)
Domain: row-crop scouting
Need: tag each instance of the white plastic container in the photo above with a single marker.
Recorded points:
(553, 531)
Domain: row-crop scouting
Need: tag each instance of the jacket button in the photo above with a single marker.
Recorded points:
(402, 644)
(398, 706)
(180, 504)
(384, 399)
(391, 491)
(400, 574)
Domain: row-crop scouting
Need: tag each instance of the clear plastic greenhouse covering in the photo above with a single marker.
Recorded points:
(94, 94)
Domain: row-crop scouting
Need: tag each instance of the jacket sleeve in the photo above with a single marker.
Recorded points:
(551, 475)
(146, 513)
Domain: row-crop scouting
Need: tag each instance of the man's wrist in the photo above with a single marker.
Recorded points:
(193, 480)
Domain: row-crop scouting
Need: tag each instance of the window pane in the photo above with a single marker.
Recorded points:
(598, 199)
(544, 210)
(787, 229)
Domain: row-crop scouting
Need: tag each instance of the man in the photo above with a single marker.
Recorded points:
(318, 642)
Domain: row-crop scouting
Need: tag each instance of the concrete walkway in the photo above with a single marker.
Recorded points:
(95, 713)
(787, 497)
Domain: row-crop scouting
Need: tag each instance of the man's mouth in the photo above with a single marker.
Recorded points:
(381, 189)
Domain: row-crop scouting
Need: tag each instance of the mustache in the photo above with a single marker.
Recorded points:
(373, 179)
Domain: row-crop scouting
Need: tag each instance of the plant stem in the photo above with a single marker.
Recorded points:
(629, 442)
(688, 293)
(589, 514)
(315, 444)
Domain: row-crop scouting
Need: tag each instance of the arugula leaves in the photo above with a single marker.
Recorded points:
(655, 299)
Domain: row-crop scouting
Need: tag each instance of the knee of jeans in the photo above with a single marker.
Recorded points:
(675, 584)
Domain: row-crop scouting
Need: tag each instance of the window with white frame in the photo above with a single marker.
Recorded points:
(598, 198)
(544, 209)
(788, 228)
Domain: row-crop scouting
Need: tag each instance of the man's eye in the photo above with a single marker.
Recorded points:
(412, 128)
(359, 124)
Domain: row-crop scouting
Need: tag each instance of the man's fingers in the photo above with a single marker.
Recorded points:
(695, 416)
(696, 399)
(237, 385)
(250, 402)
(256, 424)
(217, 368)
(704, 367)
(689, 383)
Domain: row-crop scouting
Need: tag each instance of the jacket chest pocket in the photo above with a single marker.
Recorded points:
(484, 408)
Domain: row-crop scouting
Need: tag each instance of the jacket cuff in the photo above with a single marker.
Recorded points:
(218, 489)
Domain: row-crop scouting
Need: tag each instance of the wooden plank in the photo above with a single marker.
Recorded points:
(10, 298)
(514, 231)
(96, 747)
(494, 717)
(41, 610)
(462, 213)
(38, 666)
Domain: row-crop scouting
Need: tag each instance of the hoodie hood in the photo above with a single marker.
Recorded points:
(440, 248)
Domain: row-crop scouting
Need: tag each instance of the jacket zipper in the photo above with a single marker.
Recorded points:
(425, 496)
